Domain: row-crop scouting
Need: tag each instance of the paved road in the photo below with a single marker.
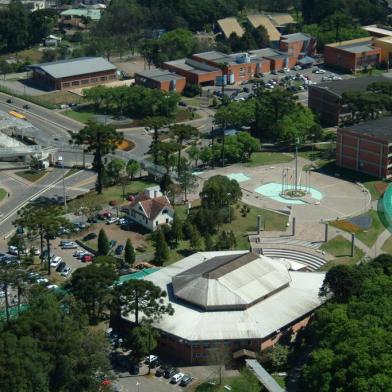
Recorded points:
(21, 193)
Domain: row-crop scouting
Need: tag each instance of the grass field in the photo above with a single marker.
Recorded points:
(320, 155)
(341, 248)
(369, 236)
(387, 247)
(268, 158)
(81, 116)
(3, 194)
(31, 176)
(60, 97)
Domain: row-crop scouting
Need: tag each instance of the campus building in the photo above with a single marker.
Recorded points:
(161, 79)
(325, 99)
(366, 147)
(233, 300)
(352, 56)
(74, 73)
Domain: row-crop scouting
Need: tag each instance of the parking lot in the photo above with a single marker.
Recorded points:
(297, 79)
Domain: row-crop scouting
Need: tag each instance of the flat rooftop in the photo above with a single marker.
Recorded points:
(354, 84)
(378, 30)
(74, 67)
(159, 75)
(295, 37)
(357, 47)
(192, 66)
(296, 300)
(380, 128)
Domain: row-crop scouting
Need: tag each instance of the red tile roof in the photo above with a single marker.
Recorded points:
(151, 206)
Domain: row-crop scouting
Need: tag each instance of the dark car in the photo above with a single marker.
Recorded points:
(186, 380)
(119, 250)
(155, 363)
(89, 237)
(161, 370)
(26, 106)
(170, 372)
(245, 89)
(61, 266)
(134, 368)
(9, 100)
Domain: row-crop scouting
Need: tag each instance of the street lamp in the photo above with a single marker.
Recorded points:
(64, 193)
(138, 383)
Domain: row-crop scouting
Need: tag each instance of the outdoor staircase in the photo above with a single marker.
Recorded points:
(311, 261)
(290, 241)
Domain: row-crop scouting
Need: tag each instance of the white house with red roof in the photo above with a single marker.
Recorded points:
(151, 209)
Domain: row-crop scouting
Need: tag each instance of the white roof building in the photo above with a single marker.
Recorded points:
(233, 295)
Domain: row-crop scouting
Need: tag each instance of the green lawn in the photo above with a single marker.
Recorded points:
(340, 248)
(268, 158)
(245, 382)
(3, 194)
(387, 247)
(31, 176)
(368, 236)
(109, 194)
(320, 155)
(81, 116)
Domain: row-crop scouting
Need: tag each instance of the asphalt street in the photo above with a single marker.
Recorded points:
(50, 186)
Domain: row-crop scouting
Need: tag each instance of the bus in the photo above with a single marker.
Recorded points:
(18, 115)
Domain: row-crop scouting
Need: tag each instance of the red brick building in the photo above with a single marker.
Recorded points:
(366, 147)
(352, 56)
(325, 99)
(161, 79)
(74, 73)
(194, 71)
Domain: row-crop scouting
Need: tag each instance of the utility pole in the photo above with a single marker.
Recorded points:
(296, 164)
(64, 193)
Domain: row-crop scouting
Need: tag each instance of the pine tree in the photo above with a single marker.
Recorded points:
(161, 248)
(196, 241)
(129, 253)
(209, 242)
(103, 243)
(176, 234)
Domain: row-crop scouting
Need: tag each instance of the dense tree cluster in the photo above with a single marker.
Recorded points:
(135, 101)
(49, 348)
(19, 28)
(352, 333)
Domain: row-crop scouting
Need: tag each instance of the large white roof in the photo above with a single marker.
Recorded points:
(290, 303)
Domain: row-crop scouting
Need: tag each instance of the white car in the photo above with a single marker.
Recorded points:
(112, 220)
(176, 378)
(52, 287)
(66, 272)
(319, 71)
(35, 251)
(150, 358)
(55, 261)
(69, 245)
(12, 250)
(42, 280)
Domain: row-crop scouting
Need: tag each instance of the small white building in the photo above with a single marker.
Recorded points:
(151, 209)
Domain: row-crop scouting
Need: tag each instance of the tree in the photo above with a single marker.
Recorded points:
(194, 153)
(40, 24)
(182, 132)
(235, 114)
(219, 357)
(100, 140)
(142, 340)
(161, 248)
(114, 169)
(18, 241)
(296, 125)
(129, 253)
(5, 67)
(103, 243)
(176, 230)
(166, 151)
(132, 168)
(155, 123)
(186, 179)
(92, 286)
(219, 191)
(195, 240)
(142, 297)
(342, 282)
(205, 155)
(249, 144)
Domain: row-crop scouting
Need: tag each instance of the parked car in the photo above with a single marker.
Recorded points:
(9, 100)
(87, 258)
(61, 267)
(55, 261)
(134, 368)
(176, 378)
(161, 370)
(150, 358)
(119, 250)
(111, 220)
(79, 253)
(90, 237)
(170, 372)
(69, 245)
(26, 106)
(186, 380)
(66, 272)
(35, 251)
(112, 243)
(274, 72)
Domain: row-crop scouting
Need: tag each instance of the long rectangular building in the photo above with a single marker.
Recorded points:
(74, 73)
(366, 147)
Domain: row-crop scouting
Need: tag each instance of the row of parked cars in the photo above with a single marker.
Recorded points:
(168, 371)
